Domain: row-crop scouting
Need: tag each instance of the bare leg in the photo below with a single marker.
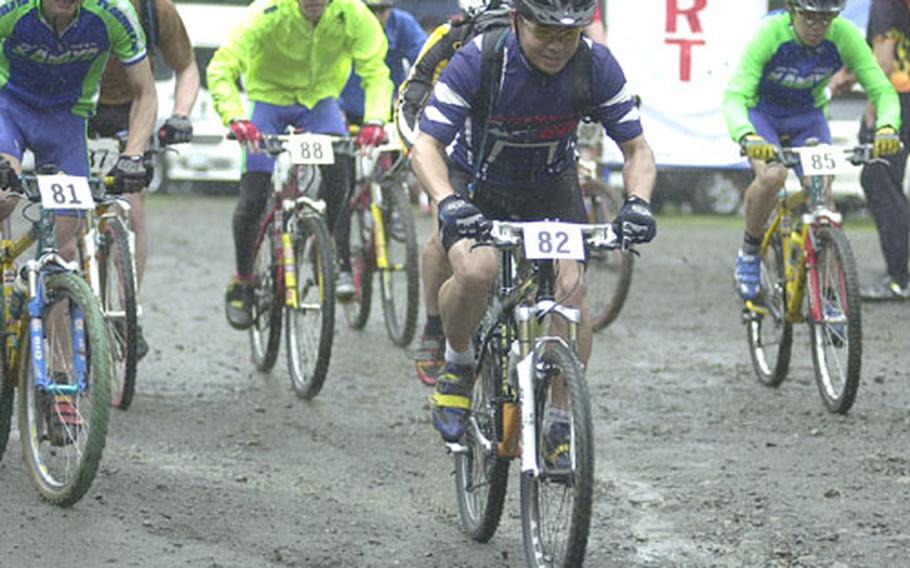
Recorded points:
(137, 218)
(463, 297)
(761, 195)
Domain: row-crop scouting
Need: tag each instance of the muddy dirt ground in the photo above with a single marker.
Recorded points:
(216, 465)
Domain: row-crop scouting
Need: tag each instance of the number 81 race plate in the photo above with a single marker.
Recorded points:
(548, 240)
(65, 192)
(310, 149)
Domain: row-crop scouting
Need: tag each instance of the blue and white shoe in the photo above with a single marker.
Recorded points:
(747, 274)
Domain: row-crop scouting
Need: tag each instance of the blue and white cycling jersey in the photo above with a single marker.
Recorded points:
(531, 134)
(45, 70)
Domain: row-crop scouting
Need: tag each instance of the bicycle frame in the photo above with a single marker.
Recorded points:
(287, 200)
(813, 190)
(47, 260)
(513, 303)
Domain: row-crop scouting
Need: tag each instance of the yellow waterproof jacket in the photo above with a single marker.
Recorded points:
(285, 60)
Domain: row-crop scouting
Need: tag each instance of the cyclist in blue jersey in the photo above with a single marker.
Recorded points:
(405, 37)
(519, 164)
(779, 90)
(54, 54)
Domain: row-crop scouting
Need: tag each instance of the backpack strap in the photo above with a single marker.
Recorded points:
(491, 55)
(149, 15)
(582, 82)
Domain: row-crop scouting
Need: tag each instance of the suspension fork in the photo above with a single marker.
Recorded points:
(379, 242)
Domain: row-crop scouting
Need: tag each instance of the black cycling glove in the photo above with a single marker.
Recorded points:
(129, 174)
(175, 130)
(635, 222)
(459, 219)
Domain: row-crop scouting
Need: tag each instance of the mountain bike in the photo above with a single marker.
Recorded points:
(106, 248)
(524, 380)
(294, 266)
(55, 348)
(808, 274)
(609, 272)
(384, 242)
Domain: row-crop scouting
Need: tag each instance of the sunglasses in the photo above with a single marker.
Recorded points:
(549, 34)
(813, 19)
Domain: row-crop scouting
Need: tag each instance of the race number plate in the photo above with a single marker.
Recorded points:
(310, 149)
(65, 192)
(548, 240)
(822, 160)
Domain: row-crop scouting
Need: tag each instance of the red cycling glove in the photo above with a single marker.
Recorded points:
(246, 132)
(371, 134)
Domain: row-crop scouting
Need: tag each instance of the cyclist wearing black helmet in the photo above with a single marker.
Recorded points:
(515, 151)
(780, 89)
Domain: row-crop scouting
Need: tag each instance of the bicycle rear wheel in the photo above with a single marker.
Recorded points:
(118, 304)
(63, 441)
(835, 321)
(400, 281)
(609, 272)
(311, 325)
(267, 302)
(771, 335)
(7, 394)
(556, 505)
(481, 476)
(357, 311)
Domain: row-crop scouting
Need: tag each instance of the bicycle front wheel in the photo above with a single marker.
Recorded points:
(835, 321)
(481, 476)
(400, 278)
(63, 434)
(556, 504)
(357, 311)
(770, 334)
(311, 324)
(118, 304)
(267, 304)
(609, 272)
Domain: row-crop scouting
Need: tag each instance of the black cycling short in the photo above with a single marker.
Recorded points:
(109, 121)
(555, 199)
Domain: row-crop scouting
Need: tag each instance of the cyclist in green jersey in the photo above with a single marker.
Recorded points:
(779, 90)
(295, 57)
(54, 53)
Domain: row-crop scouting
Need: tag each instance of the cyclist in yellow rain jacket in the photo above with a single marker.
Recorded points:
(294, 57)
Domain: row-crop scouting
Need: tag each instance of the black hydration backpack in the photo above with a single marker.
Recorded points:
(148, 15)
(494, 21)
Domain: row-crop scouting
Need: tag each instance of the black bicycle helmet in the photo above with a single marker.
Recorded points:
(818, 5)
(563, 13)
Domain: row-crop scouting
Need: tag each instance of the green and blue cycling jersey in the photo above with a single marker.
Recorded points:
(783, 78)
(44, 70)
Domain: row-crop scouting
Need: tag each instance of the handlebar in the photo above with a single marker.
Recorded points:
(860, 154)
(274, 144)
(100, 188)
(509, 235)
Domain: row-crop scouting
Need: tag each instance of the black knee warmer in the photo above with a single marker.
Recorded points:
(254, 192)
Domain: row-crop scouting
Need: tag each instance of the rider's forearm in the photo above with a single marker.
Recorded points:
(639, 171)
(429, 165)
(186, 89)
(144, 109)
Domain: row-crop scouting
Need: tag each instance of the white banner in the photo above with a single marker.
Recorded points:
(678, 55)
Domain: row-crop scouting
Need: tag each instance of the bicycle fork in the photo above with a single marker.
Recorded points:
(39, 351)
